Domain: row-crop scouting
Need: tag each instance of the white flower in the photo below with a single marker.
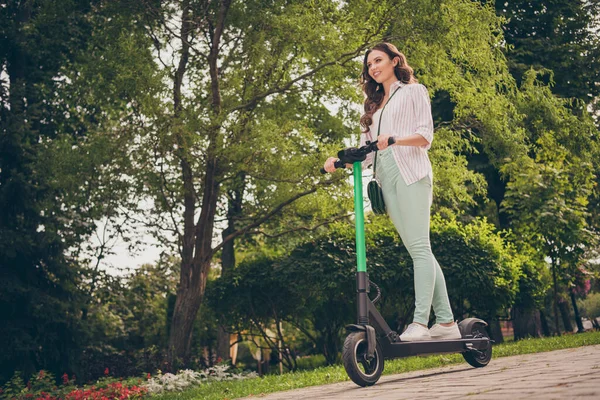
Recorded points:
(178, 382)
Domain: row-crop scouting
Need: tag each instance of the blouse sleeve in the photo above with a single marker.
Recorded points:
(363, 141)
(422, 109)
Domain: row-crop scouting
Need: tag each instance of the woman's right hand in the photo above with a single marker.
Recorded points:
(329, 167)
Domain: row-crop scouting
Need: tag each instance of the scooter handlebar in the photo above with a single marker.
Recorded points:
(370, 147)
(337, 164)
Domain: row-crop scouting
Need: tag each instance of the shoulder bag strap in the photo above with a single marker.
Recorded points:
(378, 128)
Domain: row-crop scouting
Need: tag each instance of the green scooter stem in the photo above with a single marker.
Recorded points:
(361, 256)
(362, 300)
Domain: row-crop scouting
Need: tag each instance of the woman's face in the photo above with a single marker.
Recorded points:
(380, 67)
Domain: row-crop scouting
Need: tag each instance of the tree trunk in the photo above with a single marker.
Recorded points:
(234, 210)
(227, 265)
(556, 326)
(197, 249)
(195, 265)
(544, 322)
(223, 343)
(563, 307)
(187, 304)
(192, 283)
(495, 331)
(193, 277)
(526, 322)
(577, 316)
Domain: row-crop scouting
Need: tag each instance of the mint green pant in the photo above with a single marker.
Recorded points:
(409, 208)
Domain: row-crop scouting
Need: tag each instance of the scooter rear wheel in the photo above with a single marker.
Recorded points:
(360, 369)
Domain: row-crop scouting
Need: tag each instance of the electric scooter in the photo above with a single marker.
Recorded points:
(370, 341)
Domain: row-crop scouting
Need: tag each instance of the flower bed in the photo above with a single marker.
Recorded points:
(42, 386)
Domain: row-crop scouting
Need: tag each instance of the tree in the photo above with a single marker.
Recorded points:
(550, 199)
(455, 47)
(238, 70)
(39, 300)
(560, 36)
(53, 172)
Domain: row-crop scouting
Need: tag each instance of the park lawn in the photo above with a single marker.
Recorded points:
(336, 373)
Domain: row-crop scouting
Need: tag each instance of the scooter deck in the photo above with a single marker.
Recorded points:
(406, 349)
(394, 348)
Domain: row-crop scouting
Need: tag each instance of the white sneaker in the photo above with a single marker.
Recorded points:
(415, 332)
(439, 332)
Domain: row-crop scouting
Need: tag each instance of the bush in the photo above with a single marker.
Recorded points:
(311, 362)
(482, 269)
(590, 306)
(313, 288)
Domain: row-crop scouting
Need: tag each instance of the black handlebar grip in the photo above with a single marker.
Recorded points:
(391, 140)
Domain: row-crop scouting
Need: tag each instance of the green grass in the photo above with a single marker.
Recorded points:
(336, 373)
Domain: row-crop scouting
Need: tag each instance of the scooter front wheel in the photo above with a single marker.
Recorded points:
(362, 370)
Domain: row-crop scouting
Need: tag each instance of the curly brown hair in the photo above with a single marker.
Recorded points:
(374, 90)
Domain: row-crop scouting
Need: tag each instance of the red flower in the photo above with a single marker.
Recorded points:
(148, 376)
(65, 378)
(106, 371)
(219, 360)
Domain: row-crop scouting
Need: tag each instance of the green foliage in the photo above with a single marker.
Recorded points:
(458, 54)
(456, 185)
(534, 282)
(52, 182)
(127, 321)
(13, 387)
(548, 194)
(39, 385)
(590, 306)
(311, 362)
(482, 268)
(558, 36)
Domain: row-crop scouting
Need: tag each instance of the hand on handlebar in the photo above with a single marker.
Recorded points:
(383, 141)
(329, 165)
(332, 164)
(354, 154)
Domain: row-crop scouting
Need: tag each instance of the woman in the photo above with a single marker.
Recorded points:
(405, 174)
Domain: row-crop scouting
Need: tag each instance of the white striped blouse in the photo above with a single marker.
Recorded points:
(408, 113)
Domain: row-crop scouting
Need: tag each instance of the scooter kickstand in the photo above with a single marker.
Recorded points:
(469, 346)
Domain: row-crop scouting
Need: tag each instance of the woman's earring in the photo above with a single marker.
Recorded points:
(377, 89)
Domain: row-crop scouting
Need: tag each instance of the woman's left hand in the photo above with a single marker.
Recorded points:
(382, 141)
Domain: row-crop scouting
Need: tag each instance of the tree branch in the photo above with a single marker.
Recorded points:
(345, 57)
(301, 228)
(273, 212)
(164, 187)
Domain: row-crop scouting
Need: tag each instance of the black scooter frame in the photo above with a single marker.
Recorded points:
(371, 321)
